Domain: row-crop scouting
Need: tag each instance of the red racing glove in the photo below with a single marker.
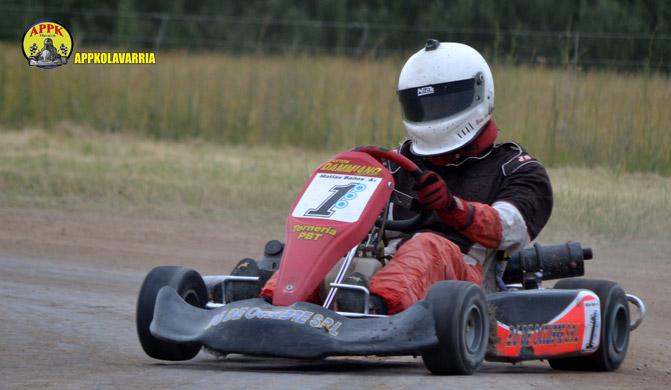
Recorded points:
(477, 221)
(433, 194)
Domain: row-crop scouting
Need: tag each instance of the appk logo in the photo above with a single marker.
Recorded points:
(47, 45)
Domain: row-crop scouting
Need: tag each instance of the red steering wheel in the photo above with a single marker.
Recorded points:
(406, 225)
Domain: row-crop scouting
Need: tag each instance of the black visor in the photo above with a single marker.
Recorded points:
(437, 101)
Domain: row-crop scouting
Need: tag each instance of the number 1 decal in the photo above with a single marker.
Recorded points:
(336, 197)
(338, 200)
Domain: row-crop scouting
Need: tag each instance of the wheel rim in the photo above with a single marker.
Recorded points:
(619, 330)
(474, 328)
(191, 297)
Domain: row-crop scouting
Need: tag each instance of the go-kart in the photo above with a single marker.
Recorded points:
(341, 219)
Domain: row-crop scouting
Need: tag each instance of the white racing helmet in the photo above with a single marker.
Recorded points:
(447, 96)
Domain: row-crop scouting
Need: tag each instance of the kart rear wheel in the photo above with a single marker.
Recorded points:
(614, 327)
(460, 315)
(190, 286)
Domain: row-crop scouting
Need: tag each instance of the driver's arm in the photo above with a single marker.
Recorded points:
(522, 207)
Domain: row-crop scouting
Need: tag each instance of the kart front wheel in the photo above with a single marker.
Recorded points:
(190, 286)
(614, 327)
(460, 315)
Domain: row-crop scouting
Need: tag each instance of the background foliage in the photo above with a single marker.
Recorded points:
(322, 74)
(615, 33)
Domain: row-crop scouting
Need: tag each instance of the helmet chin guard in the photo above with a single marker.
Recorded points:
(447, 95)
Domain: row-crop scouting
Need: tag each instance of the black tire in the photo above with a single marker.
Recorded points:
(460, 315)
(237, 291)
(615, 326)
(190, 286)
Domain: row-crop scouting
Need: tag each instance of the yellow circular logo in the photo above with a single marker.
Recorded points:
(47, 45)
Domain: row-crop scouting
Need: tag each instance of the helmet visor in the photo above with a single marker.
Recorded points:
(438, 101)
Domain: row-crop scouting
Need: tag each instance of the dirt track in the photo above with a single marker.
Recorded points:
(68, 285)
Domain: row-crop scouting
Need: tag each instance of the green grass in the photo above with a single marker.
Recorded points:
(79, 170)
(562, 116)
(122, 174)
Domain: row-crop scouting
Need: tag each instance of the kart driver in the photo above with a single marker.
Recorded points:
(485, 196)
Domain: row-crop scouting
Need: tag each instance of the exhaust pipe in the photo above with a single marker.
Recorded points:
(532, 265)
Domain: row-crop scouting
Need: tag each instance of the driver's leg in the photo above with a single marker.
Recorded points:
(419, 263)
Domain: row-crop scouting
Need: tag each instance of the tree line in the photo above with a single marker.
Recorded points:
(590, 33)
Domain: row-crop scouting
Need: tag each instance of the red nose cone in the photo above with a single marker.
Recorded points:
(336, 209)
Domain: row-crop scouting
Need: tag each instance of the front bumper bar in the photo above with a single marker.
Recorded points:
(302, 330)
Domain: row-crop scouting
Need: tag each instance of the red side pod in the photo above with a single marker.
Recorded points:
(576, 331)
(334, 212)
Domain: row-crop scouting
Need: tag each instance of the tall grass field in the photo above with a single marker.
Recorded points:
(562, 116)
(78, 170)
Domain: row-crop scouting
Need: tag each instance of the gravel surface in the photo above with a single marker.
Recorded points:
(68, 285)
